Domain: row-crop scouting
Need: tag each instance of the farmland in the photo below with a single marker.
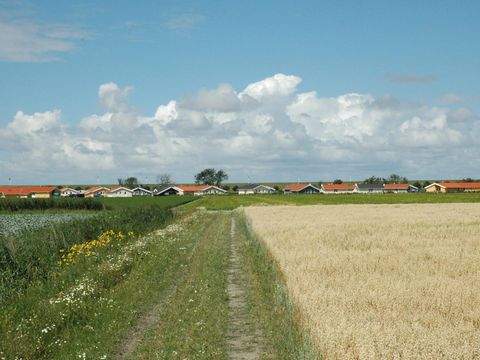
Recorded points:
(380, 281)
(140, 280)
(15, 223)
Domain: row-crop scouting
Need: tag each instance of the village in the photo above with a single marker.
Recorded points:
(246, 189)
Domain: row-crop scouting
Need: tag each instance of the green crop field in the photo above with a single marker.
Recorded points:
(230, 202)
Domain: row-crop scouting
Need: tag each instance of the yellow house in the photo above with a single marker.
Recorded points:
(39, 192)
(453, 187)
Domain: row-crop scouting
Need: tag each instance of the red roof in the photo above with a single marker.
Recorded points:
(192, 188)
(95, 189)
(25, 190)
(298, 187)
(341, 187)
(459, 185)
(396, 186)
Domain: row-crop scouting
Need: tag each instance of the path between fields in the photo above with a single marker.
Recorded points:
(147, 320)
(242, 341)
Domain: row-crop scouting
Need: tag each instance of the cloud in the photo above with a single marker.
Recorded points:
(275, 86)
(113, 98)
(410, 78)
(184, 23)
(26, 40)
(451, 98)
(267, 131)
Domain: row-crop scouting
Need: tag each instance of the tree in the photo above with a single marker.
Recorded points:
(397, 179)
(131, 181)
(220, 176)
(164, 179)
(211, 177)
(418, 185)
(374, 180)
(338, 181)
(206, 176)
(235, 188)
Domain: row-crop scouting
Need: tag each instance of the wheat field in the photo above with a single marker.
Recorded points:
(381, 281)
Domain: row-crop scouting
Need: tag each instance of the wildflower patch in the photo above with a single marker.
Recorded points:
(108, 238)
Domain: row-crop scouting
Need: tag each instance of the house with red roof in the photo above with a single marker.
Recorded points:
(338, 188)
(199, 190)
(449, 187)
(399, 188)
(96, 191)
(301, 189)
(39, 192)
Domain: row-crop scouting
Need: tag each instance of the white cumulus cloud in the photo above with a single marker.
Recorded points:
(268, 131)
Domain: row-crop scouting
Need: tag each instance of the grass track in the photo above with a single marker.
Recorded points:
(195, 318)
(268, 301)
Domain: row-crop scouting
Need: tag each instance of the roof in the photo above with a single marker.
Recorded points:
(68, 189)
(299, 187)
(370, 186)
(253, 186)
(460, 185)
(142, 189)
(193, 188)
(25, 190)
(333, 187)
(399, 186)
(248, 187)
(116, 188)
(164, 188)
(95, 189)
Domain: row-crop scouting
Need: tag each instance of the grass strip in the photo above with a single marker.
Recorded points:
(91, 306)
(269, 302)
(230, 202)
(194, 320)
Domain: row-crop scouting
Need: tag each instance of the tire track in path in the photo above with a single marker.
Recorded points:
(243, 343)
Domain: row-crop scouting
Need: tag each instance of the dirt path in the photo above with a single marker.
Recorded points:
(243, 338)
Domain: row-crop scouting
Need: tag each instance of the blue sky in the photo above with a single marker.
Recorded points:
(56, 55)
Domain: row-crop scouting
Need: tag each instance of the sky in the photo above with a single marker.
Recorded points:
(269, 91)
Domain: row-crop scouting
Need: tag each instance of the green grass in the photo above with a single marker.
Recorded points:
(269, 302)
(230, 202)
(194, 319)
(126, 282)
(142, 201)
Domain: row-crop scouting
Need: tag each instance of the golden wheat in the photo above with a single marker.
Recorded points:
(381, 281)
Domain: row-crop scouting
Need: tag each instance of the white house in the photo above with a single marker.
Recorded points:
(199, 190)
(301, 189)
(369, 188)
(69, 192)
(255, 189)
(399, 188)
(120, 191)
